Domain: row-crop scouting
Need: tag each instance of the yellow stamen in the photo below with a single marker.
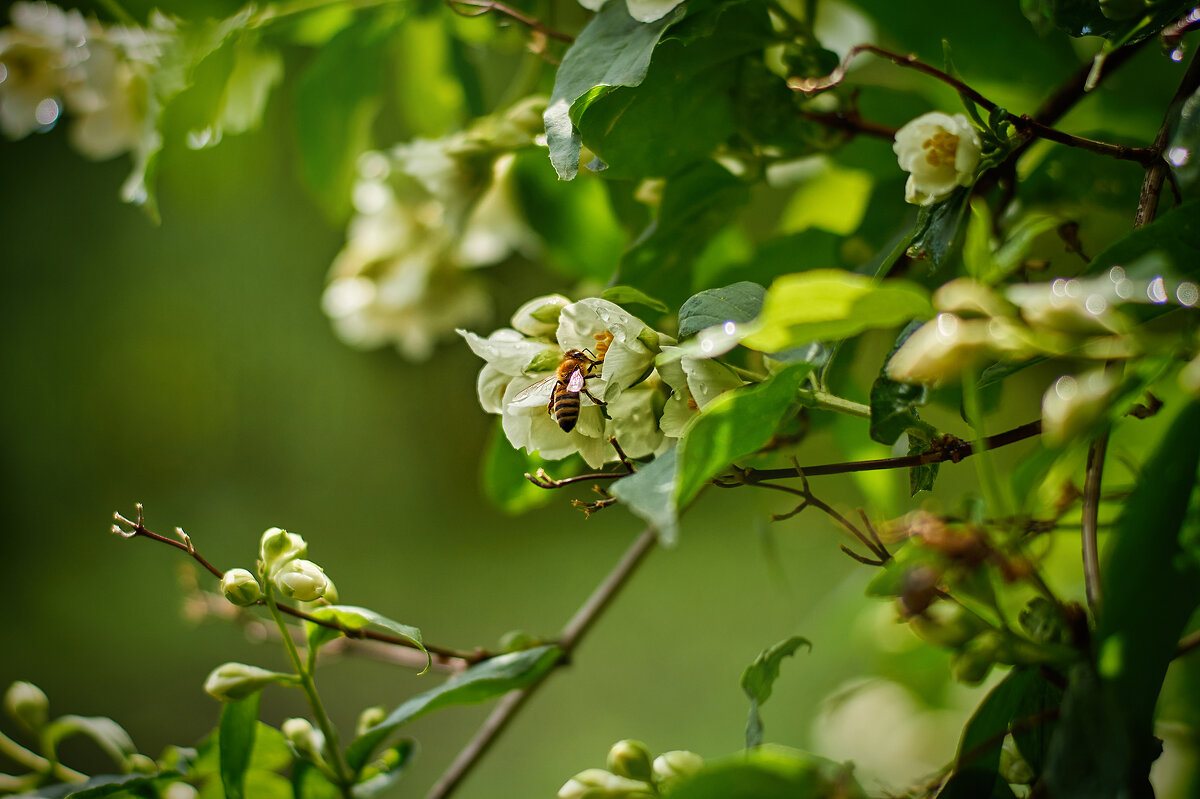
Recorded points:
(942, 148)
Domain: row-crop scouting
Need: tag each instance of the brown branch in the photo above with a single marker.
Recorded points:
(1025, 124)
(445, 655)
(1188, 643)
(851, 123)
(489, 6)
(572, 634)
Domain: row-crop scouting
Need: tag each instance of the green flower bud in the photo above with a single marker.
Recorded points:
(1122, 9)
(671, 768)
(26, 703)
(240, 587)
(369, 718)
(972, 664)
(231, 682)
(516, 641)
(301, 580)
(140, 764)
(631, 759)
(596, 783)
(304, 738)
(1044, 623)
(539, 316)
(278, 547)
(1013, 767)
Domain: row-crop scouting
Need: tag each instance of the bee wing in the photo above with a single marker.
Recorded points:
(575, 381)
(536, 394)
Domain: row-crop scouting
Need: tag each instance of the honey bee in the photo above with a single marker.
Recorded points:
(565, 386)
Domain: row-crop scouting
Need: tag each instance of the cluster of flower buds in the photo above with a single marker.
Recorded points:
(632, 774)
(1079, 317)
(54, 61)
(428, 213)
(610, 356)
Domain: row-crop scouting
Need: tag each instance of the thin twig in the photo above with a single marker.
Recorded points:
(572, 634)
(447, 656)
(486, 6)
(1025, 124)
(811, 500)
(1189, 643)
(851, 123)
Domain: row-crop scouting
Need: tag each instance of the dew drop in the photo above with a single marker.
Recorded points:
(1095, 304)
(1157, 290)
(947, 325)
(1178, 156)
(1066, 387)
(730, 328)
(3, 72)
(1188, 293)
(47, 112)
(1059, 287)
(1124, 288)
(1177, 54)
(1116, 274)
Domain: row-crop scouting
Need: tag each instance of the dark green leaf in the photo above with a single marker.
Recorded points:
(683, 109)
(613, 50)
(758, 680)
(1175, 234)
(104, 732)
(356, 618)
(103, 785)
(1075, 17)
(978, 758)
(1034, 722)
(481, 682)
(239, 725)
(937, 227)
(630, 298)
(649, 493)
(1089, 755)
(922, 477)
(740, 302)
(893, 405)
(827, 304)
(696, 203)
(735, 424)
(771, 772)
(337, 99)
(1183, 150)
(1151, 587)
(309, 783)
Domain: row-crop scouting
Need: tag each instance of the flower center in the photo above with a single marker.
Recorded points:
(940, 148)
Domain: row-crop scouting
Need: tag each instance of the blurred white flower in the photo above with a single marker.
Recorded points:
(1073, 404)
(942, 348)
(641, 10)
(108, 93)
(940, 152)
(41, 44)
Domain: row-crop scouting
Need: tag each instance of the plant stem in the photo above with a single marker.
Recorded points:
(825, 401)
(572, 634)
(333, 748)
(31, 760)
(985, 467)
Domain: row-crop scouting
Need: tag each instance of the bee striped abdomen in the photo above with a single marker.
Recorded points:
(566, 408)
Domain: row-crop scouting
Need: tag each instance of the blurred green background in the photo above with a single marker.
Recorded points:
(189, 367)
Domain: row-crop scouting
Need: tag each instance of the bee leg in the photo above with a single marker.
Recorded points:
(550, 404)
(592, 398)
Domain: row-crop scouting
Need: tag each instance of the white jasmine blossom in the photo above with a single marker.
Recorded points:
(641, 10)
(629, 356)
(940, 152)
(539, 316)
(1073, 404)
(941, 349)
(41, 44)
(694, 382)
(108, 93)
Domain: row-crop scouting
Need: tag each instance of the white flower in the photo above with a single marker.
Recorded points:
(641, 10)
(942, 348)
(596, 783)
(539, 317)
(630, 355)
(695, 382)
(1073, 404)
(940, 152)
(108, 93)
(42, 43)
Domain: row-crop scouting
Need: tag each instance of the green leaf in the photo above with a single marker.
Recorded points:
(650, 492)
(1089, 755)
(740, 302)
(387, 770)
(504, 469)
(937, 228)
(696, 203)
(1150, 586)
(613, 50)
(628, 296)
(758, 680)
(636, 132)
(771, 772)
(229, 90)
(735, 424)
(309, 783)
(920, 478)
(481, 682)
(337, 99)
(1175, 234)
(1183, 150)
(824, 304)
(239, 724)
(356, 618)
(978, 761)
(893, 404)
(189, 45)
(106, 733)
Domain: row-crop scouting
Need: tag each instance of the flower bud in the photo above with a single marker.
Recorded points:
(517, 640)
(1189, 377)
(1072, 405)
(301, 580)
(968, 297)
(1013, 767)
(278, 547)
(26, 703)
(946, 624)
(369, 718)
(140, 764)
(539, 316)
(972, 664)
(240, 587)
(631, 759)
(671, 768)
(231, 682)
(596, 783)
(304, 738)
(940, 350)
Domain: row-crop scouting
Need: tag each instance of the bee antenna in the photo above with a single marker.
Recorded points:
(589, 353)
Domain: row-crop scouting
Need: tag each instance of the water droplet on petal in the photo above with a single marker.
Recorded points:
(1059, 287)
(1095, 304)
(730, 328)
(3, 72)
(947, 325)
(1116, 274)
(47, 112)
(1178, 156)
(1074, 288)
(1066, 387)
(1157, 290)
(1124, 288)
(1188, 293)
(1177, 54)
